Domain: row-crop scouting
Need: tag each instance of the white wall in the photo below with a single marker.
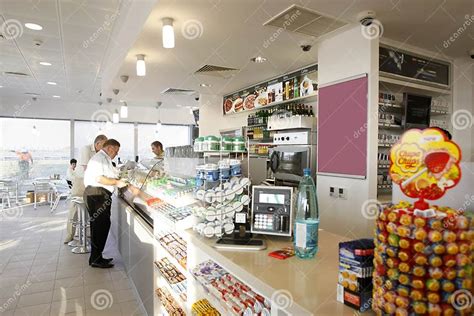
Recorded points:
(211, 118)
(58, 109)
(341, 56)
(463, 99)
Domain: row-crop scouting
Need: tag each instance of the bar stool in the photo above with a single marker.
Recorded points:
(82, 223)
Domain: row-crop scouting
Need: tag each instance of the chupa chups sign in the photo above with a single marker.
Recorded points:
(425, 163)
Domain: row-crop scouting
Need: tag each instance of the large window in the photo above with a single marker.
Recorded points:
(85, 133)
(32, 149)
(168, 135)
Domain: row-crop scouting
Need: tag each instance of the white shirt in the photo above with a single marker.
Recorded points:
(87, 152)
(70, 174)
(100, 165)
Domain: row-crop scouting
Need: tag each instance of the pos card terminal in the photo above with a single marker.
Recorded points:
(272, 210)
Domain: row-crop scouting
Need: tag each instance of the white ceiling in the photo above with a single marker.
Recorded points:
(67, 26)
(232, 33)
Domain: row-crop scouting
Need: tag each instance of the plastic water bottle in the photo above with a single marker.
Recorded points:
(307, 218)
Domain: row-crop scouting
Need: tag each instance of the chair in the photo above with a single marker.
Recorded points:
(82, 224)
(7, 189)
(59, 191)
(43, 187)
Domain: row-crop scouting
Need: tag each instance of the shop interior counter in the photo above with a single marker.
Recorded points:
(311, 284)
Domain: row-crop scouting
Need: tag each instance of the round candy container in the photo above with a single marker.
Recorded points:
(435, 236)
(393, 262)
(435, 273)
(420, 234)
(393, 240)
(393, 274)
(389, 308)
(434, 310)
(404, 255)
(418, 283)
(391, 284)
(404, 267)
(389, 297)
(392, 252)
(401, 301)
(403, 231)
(462, 222)
(419, 307)
(464, 247)
(452, 248)
(416, 295)
(404, 243)
(435, 261)
(449, 236)
(419, 247)
(406, 219)
(419, 222)
(438, 248)
(419, 271)
(400, 311)
(404, 279)
(403, 290)
(435, 224)
(447, 286)
(432, 285)
(447, 310)
(393, 216)
(433, 297)
(391, 228)
(420, 259)
(449, 273)
(462, 260)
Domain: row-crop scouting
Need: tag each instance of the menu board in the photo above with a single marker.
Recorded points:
(290, 86)
(400, 63)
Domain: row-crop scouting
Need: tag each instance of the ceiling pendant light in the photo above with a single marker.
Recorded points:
(124, 110)
(35, 131)
(168, 33)
(141, 68)
(115, 117)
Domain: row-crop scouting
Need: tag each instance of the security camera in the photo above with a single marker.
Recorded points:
(124, 78)
(366, 17)
(306, 48)
(37, 42)
(471, 53)
(34, 98)
(196, 98)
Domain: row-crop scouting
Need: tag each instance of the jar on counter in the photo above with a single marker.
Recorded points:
(224, 170)
(235, 167)
(238, 144)
(212, 143)
(198, 144)
(212, 172)
(227, 143)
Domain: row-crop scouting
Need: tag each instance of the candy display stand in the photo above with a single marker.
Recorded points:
(423, 252)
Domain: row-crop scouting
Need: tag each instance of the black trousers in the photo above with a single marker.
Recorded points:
(69, 183)
(98, 202)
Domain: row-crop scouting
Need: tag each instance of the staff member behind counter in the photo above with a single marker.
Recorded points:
(157, 149)
(100, 180)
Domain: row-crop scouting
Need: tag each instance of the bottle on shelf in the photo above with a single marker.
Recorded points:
(307, 218)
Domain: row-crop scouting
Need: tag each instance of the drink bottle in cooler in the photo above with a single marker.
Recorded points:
(307, 218)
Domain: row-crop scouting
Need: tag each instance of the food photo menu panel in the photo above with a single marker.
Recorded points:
(294, 85)
(342, 128)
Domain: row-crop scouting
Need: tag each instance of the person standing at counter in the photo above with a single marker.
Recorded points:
(100, 180)
(157, 149)
(71, 172)
(78, 183)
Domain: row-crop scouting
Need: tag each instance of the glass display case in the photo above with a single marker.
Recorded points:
(155, 193)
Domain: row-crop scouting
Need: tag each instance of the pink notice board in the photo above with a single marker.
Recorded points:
(342, 128)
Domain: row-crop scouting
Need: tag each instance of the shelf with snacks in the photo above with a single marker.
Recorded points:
(233, 296)
(170, 306)
(174, 248)
(203, 307)
(173, 280)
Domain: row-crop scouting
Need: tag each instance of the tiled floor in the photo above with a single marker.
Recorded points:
(40, 276)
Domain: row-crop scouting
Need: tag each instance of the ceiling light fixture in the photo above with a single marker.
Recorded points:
(158, 124)
(258, 59)
(44, 63)
(205, 85)
(115, 117)
(56, 96)
(124, 110)
(51, 83)
(33, 26)
(168, 33)
(1, 86)
(141, 67)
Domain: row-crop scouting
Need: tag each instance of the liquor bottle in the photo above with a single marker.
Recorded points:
(307, 218)
(296, 89)
(311, 113)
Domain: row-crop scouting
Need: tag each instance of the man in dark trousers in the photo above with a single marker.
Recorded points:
(100, 180)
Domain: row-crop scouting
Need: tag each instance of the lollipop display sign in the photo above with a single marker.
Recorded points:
(425, 163)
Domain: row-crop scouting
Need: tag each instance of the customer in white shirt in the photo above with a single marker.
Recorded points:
(100, 180)
(71, 172)
(78, 185)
